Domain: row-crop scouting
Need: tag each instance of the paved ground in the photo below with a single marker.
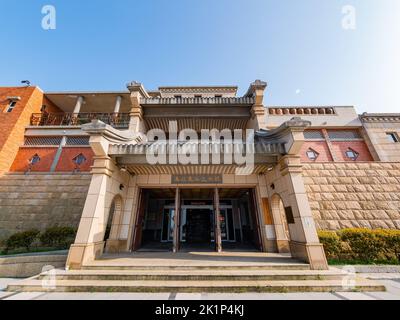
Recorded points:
(390, 280)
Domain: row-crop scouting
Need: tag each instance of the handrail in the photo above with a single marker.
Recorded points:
(116, 120)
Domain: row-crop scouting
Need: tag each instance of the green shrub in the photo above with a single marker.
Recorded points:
(58, 237)
(332, 243)
(365, 244)
(22, 240)
(362, 245)
(392, 240)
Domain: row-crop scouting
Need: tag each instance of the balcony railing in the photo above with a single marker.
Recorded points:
(117, 120)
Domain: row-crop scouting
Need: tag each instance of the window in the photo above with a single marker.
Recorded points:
(79, 159)
(34, 160)
(42, 141)
(393, 137)
(198, 96)
(312, 154)
(344, 135)
(178, 97)
(351, 154)
(313, 135)
(11, 106)
(78, 141)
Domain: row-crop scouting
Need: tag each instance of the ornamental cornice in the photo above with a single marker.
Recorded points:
(373, 118)
(197, 89)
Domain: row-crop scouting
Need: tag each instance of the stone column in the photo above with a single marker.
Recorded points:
(258, 114)
(117, 105)
(177, 216)
(304, 242)
(217, 222)
(136, 123)
(78, 105)
(89, 242)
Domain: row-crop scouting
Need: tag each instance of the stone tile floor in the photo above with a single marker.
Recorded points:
(391, 281)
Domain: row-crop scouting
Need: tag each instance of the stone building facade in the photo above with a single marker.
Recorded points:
(80, 158)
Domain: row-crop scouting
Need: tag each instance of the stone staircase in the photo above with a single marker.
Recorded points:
(180, 276)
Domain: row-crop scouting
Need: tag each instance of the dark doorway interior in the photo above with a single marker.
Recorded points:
(198, 225)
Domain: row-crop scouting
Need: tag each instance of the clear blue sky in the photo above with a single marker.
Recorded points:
(298, 47)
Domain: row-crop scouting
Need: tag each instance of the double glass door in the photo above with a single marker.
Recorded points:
(197, 224)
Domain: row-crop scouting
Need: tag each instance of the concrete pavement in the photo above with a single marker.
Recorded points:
(390, 280)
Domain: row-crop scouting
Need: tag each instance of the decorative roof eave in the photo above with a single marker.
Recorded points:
(290, 133)
(259, 148)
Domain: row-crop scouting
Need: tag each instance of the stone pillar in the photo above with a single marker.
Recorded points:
(258, 113)
(304, 242)
(117, 105)
(136, 123)
(217, 222)
(89, 242)
(78, 105)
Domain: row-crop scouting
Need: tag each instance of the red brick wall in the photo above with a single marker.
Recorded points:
(65, 163)
(360, 147)
(319, 146)
(12, 125)
(21, 162)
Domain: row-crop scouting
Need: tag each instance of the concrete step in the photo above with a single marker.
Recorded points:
(35, 285)
(262, 266)
(211, 275)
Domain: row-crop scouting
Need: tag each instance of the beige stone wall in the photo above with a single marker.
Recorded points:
(40, 201)
(344, 195)
(378, 141)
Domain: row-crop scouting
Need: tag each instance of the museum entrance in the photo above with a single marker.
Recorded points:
(208, 219)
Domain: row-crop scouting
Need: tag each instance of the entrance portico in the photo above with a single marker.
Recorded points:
(149, 202)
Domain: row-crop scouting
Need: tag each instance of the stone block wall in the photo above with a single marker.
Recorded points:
(353, 195)
(41, 200)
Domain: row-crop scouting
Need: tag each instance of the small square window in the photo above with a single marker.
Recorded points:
(79, 159)
(34, 160)
(312, 154)
(393, 137)
(351, 154)
(11, 106)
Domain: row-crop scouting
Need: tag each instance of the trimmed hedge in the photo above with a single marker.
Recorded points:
(54, 238)
(22, 240)
(58, 237)
(366, 245)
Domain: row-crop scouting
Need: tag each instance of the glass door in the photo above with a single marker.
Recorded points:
(167, 231)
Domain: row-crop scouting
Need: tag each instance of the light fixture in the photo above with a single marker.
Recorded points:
(123, 169)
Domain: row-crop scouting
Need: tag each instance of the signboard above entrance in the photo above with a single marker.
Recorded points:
(197, 179)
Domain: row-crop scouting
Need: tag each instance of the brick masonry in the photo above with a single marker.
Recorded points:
(41, 200)
(347, 195)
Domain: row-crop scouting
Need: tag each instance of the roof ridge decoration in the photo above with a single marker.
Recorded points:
(198, 89)
(380, 117)
(202, 100)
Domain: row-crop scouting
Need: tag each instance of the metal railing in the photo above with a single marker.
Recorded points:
(117, 120)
